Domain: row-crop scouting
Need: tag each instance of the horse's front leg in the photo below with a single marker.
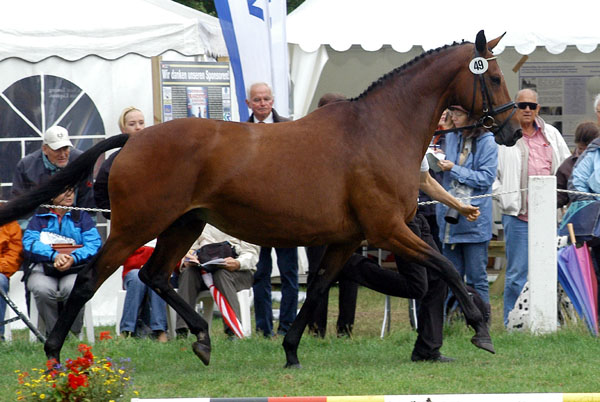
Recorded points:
(334, 259)
(407, 244)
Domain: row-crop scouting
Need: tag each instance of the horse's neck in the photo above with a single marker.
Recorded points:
(415, 96)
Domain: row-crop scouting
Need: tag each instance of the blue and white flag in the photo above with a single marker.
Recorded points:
(254, 32)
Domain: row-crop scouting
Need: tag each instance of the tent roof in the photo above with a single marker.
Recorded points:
(72, 29)
(374, 23)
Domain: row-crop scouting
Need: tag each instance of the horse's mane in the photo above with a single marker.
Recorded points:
(399, 70)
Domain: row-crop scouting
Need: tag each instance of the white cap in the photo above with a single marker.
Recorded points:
(57, 137)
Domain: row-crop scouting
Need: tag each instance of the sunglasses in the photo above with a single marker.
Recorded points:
(524, 105)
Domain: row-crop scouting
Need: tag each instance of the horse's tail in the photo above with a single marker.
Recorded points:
(75, 172)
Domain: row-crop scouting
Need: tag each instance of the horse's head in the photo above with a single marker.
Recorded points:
(481, 89)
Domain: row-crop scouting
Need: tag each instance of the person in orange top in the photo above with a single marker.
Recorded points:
(11, 256)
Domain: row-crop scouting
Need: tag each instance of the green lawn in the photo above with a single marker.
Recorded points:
(566, 361)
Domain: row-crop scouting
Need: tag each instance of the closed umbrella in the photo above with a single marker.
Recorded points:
(227, 311)
(576, 275)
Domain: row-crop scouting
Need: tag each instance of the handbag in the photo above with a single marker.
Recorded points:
(49, 268)
(213, 251)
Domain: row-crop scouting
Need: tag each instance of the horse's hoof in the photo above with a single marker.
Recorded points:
(292, 366)
(202, 351)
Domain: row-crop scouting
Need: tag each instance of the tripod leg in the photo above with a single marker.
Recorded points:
(22, 316)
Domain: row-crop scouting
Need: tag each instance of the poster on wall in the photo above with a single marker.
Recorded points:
(195, 89)
(566, 92)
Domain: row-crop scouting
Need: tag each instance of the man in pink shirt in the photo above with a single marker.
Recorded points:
(539, 153)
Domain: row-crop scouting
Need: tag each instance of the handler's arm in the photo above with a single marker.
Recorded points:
(433, 189)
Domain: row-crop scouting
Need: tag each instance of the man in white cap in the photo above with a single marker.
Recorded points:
(37, 167)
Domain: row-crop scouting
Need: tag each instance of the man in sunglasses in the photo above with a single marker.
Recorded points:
(539, 152)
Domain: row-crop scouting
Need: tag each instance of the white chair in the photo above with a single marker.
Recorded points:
(206, 308)
(17, 294)
(88, 321)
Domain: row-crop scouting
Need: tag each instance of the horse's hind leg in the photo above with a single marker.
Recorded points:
(331, 265)
(405, 243)
(171, 245)
(97, 270)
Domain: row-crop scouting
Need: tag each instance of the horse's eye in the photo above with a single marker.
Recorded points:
(495, 80)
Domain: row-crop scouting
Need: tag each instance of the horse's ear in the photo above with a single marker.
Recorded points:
(492, 44)
(480, 42)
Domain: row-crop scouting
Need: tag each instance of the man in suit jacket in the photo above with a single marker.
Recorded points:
(260, 100)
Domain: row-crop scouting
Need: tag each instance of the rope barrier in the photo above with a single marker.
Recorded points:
(420, 203)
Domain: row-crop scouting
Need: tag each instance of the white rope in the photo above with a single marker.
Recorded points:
(69, 208)
(420, 203)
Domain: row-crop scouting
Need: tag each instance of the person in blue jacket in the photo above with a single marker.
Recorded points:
(586, 178)
(469, 169)
(51, 287)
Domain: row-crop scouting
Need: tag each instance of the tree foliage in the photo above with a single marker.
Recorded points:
(208, 6)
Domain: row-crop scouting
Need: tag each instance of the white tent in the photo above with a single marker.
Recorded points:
(97, 56)
(343, 45)
(73, 29)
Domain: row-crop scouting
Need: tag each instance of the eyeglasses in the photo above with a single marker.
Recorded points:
(524, 105)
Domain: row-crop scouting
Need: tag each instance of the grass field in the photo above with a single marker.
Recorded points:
(566, 361)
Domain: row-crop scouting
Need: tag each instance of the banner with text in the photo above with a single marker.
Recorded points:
(195, 89)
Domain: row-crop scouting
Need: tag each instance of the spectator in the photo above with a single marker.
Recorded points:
(597, 107)
(260, 100)
(586, 178)
(11, 256)
(130, 121)
(584, 134)
(348, 289)
(539, 152)
(53, 273)
(469, 170)
(134, 298)
(234, 275)
(37, 167)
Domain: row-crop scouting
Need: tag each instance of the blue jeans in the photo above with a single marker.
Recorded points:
(287, 261)
(471, 259)
(4, 282)
(136, 290)
(517, 263)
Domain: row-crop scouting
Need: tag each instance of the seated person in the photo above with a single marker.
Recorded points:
(136, 291)
(236, 274)
(11, 255)
(51, 284)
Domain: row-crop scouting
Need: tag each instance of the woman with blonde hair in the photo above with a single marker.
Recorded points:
(131, 120)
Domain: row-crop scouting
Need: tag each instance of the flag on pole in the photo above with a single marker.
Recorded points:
(254, 32)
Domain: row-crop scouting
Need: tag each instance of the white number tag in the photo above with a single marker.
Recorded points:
(478, 65)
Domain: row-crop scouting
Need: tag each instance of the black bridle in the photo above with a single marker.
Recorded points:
(487, 120)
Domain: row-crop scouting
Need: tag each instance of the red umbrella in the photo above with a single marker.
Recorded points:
(226, 311)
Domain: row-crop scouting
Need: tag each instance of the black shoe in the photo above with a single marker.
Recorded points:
(126, 334)
(182, 333)
(433, 359)
(345, 331)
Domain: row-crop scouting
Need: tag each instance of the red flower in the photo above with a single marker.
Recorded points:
(76, 381)
(51, 364)
(104, 335)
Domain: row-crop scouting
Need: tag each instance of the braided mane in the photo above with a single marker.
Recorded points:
(399, 70)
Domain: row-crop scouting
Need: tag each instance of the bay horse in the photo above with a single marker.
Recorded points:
(345, 173)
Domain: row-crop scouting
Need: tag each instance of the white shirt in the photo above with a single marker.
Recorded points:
(269, 119)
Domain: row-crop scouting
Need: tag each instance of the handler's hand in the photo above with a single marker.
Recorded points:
(470, 212)
(62, 262)
(445, 165)
(231, 264)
